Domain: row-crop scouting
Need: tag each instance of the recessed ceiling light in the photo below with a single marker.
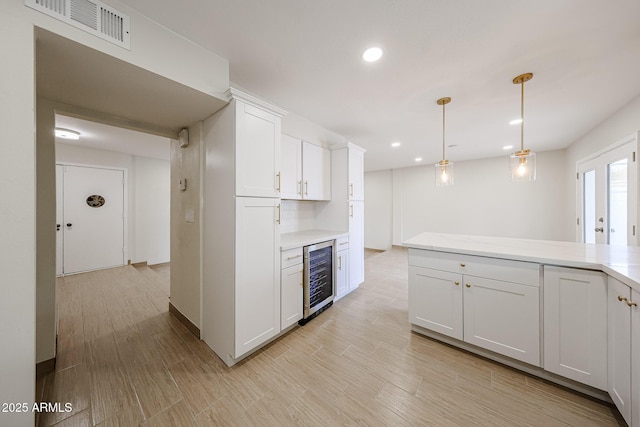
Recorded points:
(515, 122)
(395, 144)
(418, 159)
(507, 147)
(67, 134)
(372, 54)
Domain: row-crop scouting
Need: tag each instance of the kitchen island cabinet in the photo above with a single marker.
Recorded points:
(588, 300)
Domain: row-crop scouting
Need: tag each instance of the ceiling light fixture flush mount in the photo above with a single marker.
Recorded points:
(444, 168)
(67, 134)
(372, 54)
(522, 163)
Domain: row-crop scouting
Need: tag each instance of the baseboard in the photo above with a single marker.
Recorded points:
(160, 264)
(139, 264)
(186, 322)
(45, 367)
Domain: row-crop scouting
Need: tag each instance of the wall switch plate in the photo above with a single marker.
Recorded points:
(189, 215)
(183, 184)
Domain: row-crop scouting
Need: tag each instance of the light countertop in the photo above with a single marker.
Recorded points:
(308, 237)
(621, 262)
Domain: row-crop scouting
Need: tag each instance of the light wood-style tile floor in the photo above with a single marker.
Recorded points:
(123, 360)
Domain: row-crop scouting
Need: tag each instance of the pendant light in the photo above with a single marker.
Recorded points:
(522, 163)
(444, 168)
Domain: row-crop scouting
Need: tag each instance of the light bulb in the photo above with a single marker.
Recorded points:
(522, 169)
(444, 176)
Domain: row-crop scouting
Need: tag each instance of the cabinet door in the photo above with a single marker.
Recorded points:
(575, 324)
(620, 347)
(356, 244)
(435, 300)
(635, 358)
(291, 296)
(502, 317)
(257, 291)
(356, 174)
(316, 172)
(257, 151)
(291, 175)
(342, 273)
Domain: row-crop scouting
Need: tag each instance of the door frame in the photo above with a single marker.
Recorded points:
(125, 205)
(632, 209)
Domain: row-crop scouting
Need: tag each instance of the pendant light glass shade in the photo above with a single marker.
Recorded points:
(444, 168)
(522, 163)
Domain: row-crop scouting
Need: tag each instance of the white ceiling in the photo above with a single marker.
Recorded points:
(305, 57)
(110, 138)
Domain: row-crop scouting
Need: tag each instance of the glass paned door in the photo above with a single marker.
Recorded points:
(606, 196)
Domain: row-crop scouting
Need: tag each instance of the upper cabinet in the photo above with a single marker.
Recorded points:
(306, 170)
(257, 151)
(356, 174)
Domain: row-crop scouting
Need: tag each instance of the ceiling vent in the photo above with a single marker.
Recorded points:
(92, 16)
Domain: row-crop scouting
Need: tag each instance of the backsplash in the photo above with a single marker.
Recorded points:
(297, 215)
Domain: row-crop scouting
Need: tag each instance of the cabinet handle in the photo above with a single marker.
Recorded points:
(351, 189)
(306, 188)
(351, 214)
(339, 263)
(344, 243)
(456, 283)
(278, 213)
(294, 257)
(462, 264)
(623, 299)
(467, 285)
(278, 175)
(631, 303)
(300, 187)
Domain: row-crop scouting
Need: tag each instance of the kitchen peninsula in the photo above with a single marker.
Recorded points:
(564, 311)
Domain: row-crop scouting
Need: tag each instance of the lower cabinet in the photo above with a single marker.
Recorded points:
(451, 294)
(635, 358)
(291, 295)
(623, 336)
(342, 273)
(575, 324)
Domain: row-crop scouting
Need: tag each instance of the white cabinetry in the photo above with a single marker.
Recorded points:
(257, 151)
(306, 173)
(241, 231)
(342, 267)
(635, 358)
(291, 297)
(575, 324)
(490, 303)
(356, 175)
(623, 329)
(356, 244)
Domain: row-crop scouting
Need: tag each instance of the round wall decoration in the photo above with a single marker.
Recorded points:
(95, 201)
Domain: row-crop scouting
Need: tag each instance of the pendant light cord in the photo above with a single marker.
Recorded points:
(443, 114)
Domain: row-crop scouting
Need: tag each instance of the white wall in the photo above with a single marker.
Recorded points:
(378, 209)
(149, 198)
(152, 207)
(304, 129)
(622, 123)
(483, 201)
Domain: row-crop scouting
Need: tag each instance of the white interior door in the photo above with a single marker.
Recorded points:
(93, 218)
(607, 208)
(59, 220)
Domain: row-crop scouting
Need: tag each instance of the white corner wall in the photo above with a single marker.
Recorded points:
(483, 201)
(378, 209)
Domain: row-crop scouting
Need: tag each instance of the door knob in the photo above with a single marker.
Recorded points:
(69, 224)
(600, 229)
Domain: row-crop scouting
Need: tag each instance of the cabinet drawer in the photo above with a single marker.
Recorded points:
(342, 243)
(525, 273)
(291, 257)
